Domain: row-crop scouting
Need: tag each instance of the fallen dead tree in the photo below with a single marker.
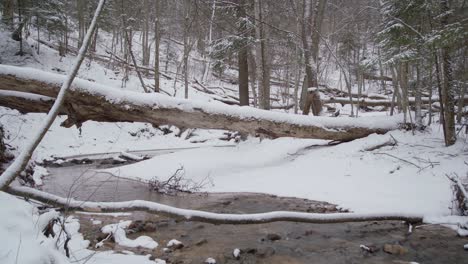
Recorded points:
(206, 217)
(334, 92)
(90, 101)
(385, 103)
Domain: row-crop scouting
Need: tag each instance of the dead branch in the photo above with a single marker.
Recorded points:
(391, 142)
(207, 217)
(395, 157)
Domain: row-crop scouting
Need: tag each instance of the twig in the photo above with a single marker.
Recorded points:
(409, 162)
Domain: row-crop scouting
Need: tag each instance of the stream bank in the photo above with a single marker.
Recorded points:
(281, 242)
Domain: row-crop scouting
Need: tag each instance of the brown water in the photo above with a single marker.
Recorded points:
(296, 242)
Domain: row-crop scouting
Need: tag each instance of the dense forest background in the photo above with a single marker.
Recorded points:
(411, 49)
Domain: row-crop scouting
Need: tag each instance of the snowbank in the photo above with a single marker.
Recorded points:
(362, 181)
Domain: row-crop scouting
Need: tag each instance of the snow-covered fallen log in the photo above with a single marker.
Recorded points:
(90, 101)
(26, 102)
(207, 217)
(385, 103)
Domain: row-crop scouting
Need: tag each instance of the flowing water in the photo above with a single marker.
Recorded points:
(281, 242)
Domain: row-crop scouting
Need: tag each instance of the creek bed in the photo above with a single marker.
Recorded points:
(281, 242)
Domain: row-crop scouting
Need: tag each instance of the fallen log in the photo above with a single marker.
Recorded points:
(206, 217)
(386, 103)
(26, 102)
(90, 101)
(377, 78)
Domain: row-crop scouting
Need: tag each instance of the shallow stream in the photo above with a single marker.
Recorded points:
(282, 242)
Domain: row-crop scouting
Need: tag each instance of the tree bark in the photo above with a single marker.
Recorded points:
(311, 28)
(447, 84)
(90, 101)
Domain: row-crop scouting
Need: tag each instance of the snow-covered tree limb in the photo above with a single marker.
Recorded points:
(207, 217)
(23, 158)
(90, 101)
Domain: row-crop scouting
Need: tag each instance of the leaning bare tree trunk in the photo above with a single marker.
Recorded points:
(461, 103)
(22, 160)
(129, 43)
(417, 90)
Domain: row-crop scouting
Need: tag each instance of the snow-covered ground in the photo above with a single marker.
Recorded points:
(22, 239)
(409, 177)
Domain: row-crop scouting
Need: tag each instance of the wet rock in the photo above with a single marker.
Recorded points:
(162, 223)
(101, 237)
(174, 244)
(465, 247)
(265, 252)
(86, 161)
(225, 203)
(249, 250)
(395, 249)
(273, 237)
(298, 252)
(136, 226)
(149, 227)
(369, 248)
(236, 253)
(210, 261)
(201, 242)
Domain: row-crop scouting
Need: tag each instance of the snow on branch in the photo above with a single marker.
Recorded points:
(90, 101)
(207, 217)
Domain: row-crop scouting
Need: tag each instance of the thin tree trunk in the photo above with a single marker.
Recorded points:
(186, 46)
(242, 56)
(461, 103)
(81, 21)
(448, 98)
(417, 90)
(253, 76)
(129, 43)
(403, 74)
(210, 39)
(263, 71)
(157, 40)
